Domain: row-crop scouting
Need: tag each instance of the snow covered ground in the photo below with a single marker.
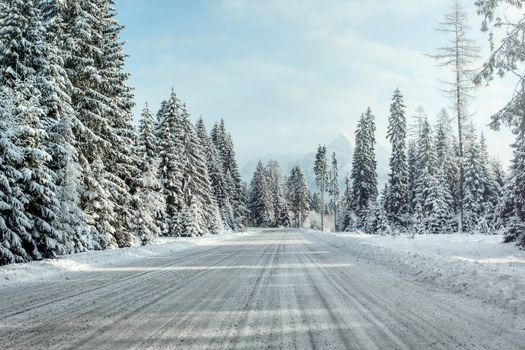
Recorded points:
(93, 260)
(272, 289)
(474, 265)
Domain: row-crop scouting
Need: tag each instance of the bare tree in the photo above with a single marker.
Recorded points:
(459, 56)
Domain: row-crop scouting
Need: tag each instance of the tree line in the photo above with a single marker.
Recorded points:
(439, 181)
(75, 172)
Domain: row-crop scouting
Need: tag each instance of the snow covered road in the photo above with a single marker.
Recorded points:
(271, 289)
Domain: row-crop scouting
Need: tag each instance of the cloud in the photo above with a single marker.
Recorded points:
(304, 70)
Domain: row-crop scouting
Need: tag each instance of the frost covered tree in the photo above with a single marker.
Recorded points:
(375, 220)
(298, 195)
(261, 201)
(446, 157)
(397, 197)
(415, 122)
(102, 128)
(16, 241)
(224, 143)
(148, 200)
(439, 214)
(196, 188)
(333, 187)
(26, 75)
(170, 151)
(321, 177)
(413, 173)
(460, 55)
(216, 175)
(426, 167)
(58, 121)
(507, 57)
(364, 175)
(121, 171)
(346, 220)
(475, 185)
(276, 183)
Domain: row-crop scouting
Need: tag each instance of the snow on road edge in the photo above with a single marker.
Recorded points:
(35, 271)
(493, 280)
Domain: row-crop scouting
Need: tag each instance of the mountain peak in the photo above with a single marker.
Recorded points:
(342, 139)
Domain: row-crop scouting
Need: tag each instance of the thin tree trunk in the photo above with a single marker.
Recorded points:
(322, 208)
(335, 216)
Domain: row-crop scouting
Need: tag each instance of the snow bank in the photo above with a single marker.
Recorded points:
(475, 265)
(89, 261)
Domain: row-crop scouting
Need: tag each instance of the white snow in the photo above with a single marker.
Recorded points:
(92, 260)
(475, 265)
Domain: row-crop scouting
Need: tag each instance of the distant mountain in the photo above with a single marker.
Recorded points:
(343, 147)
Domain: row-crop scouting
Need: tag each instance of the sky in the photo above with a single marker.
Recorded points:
(288, 75)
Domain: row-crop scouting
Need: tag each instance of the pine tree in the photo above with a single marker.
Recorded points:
(216, 175)
(148, 200)
(346, 220)
(298, 195)
(121, 169)
(25, 73)
(16, 242)
(333, 187)
(93, 64)
(59, 120)
(170, 162)
(364, 176)
(261, 201)
(275, 181)
(396, 201)
(196, 188)
(375, 220)
(416, 122)
(321, 177)
(426, 165)
(413, 174)
(439, 214)
(447, 159)
(224, 144)
(315, 202)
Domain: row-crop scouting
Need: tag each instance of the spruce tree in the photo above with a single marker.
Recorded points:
(333, 187)
(196, 188)
(364, 175)
(321, 177)
(16, 242)
(476, 185)
(261, 202)
(275, 181)
(91, 69)
(216, 175)
(170, 150)
(397, 198)
(413, 174)
(148, 200)
(426, 165)
(345, 218)
(223, 142)
(25, 74)
(447, 158)
(298, 195)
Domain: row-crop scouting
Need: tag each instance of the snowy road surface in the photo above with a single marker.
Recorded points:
(275, 289)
